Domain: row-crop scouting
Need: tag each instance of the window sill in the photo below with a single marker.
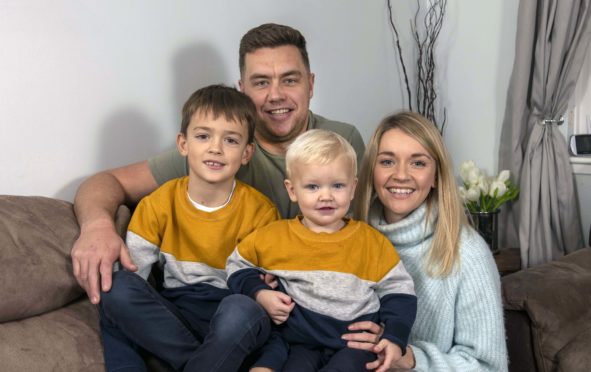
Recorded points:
(581, 164)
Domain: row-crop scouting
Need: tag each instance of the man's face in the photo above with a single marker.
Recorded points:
(280, 86)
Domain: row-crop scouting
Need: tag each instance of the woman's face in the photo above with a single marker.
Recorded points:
(404, 174)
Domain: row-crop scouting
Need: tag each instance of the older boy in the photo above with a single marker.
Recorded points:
(190, 225)
(332, 271)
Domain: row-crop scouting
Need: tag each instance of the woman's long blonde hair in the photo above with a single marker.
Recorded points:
(443, 254)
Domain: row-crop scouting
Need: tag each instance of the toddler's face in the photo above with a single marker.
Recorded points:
(323, 192)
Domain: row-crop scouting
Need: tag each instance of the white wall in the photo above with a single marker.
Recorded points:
(86, 86)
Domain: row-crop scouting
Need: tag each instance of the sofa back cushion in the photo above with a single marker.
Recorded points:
(36, 236)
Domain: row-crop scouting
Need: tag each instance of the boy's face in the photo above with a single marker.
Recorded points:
(280, 85)
(215, 149)
(323, 192)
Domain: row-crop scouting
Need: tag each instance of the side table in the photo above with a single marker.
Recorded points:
(508, 260)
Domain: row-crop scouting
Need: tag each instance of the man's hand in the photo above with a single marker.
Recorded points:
(99, 245)
(365, 340)
(93, 256)
(388, 354)
(277, 304)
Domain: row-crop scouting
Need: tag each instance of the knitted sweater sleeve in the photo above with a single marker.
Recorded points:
(479, 334)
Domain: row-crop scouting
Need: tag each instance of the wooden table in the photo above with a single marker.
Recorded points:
(508, 260)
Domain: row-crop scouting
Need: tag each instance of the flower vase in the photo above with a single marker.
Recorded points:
(487, 225)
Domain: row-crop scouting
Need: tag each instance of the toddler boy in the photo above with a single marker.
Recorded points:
(189, 226)
(332, 271)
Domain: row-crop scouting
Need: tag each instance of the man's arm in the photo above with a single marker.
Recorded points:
(99, 245)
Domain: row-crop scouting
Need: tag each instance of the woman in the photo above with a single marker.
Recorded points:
(407, 191)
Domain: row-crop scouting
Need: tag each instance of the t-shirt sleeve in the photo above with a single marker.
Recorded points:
(168, 165)
(348, 131)
(357, 142)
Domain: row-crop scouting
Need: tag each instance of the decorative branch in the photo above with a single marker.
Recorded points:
(425, 93)
(397, 40)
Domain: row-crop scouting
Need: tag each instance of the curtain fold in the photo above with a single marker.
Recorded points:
(553, 37)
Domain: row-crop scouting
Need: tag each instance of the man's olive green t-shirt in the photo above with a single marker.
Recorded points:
(265, 172)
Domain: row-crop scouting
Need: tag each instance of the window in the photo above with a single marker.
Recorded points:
(579, 114)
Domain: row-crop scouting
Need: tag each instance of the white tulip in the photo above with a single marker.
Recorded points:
(463, 195)
(482, 183)
(473, 193)
(499, 187)
(504, 176)
(465, 169)
(473, 177)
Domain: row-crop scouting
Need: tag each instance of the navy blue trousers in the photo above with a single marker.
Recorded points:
(304, 359)
(187, 333)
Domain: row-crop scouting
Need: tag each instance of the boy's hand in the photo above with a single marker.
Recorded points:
(388, 353)
(277, 304)
(269, 280)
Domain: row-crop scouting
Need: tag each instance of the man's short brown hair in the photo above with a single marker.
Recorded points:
(271, 35)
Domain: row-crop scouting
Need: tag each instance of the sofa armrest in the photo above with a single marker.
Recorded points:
(556, 297)
(36, 236)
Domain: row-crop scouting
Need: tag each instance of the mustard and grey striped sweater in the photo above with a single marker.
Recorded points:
(192, 245)
(335, 279)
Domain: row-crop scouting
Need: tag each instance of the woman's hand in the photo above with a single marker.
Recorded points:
(407, 361)
(391, 362)
(388, 353)
(369, 340)
(365, 340)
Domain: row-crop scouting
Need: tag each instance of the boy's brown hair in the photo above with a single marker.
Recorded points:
(221, 100)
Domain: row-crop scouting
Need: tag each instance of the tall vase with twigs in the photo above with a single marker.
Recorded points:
(425, 38)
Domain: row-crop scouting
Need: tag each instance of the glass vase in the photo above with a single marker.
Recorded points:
(487, 225)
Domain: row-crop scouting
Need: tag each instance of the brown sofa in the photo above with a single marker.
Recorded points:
(48, 324)
(548, 315)
(46, 320)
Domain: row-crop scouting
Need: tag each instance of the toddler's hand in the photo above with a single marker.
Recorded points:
(277, 304)
(269, 280)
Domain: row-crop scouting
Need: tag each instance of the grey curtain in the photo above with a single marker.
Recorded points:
(553, 37)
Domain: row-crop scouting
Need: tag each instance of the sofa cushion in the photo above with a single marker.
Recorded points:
(576, 355)
(36, 236)
(557, 298)
(67, 339)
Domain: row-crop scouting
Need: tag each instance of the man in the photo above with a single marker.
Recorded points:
(275, 74)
